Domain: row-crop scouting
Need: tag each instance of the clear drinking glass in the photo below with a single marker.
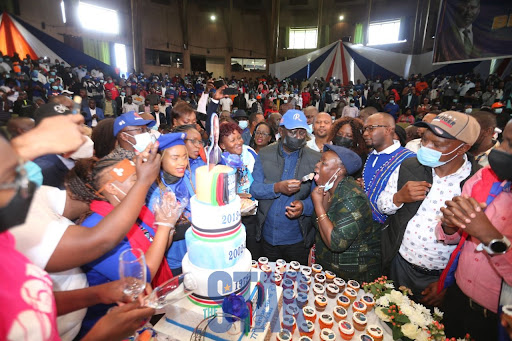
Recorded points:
(171, 291)
(132, 271)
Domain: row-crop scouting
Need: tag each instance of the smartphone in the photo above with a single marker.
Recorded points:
(218, 83)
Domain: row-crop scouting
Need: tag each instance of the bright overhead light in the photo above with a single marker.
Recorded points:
(213, 17)
(341, 17)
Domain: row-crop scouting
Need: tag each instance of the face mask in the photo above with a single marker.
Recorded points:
(430, 157)
(52, 80)
(352, 104)
(55, 87)
(123, 93)
(34, 173)
(110, 80)
(455, 100)
(169, 178)
(330, 183)
(501, 163)
(243, 124)
(129, 84)
(141, 141)
(52, 73)
(310, 126)
(342, 141)
(498, 110)
(35, 79)
(467, 81)
(85, 151)
(15, 212)
(392, 101)
(468, 110)
(293, 143)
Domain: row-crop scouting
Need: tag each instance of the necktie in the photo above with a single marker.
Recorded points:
(468, 45)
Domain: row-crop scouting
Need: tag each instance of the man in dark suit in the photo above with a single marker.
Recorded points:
(409, 100)
(92, 114)
(457, 37)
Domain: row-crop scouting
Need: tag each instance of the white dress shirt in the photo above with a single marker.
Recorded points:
(420, 245)
(470, 33)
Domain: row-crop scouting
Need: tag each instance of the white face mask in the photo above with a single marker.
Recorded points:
(85, 151)
(330, 183)
(243, 124)
(141, 141)
(469, 110)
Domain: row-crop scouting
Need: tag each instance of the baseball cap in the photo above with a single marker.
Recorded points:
(294, 119)
(351, 161)
(455, 126)
(130, 118)
(171, 140)
(48, 110)
(497, 105)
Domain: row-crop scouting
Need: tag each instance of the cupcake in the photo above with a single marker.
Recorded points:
(291, 274)
(281, 265)
(325, 321)
(289, 323)
(350, 293)
(346, 330)
(340, 283)
(318, 289)
(309, 313)
(305, 338)
(320, 278)
(369, 301)
(332, 290)
(320, 302)
(339, 313)
(329, 276)
(317, 268)
(306, 271)
(288, 283)
(359, 306)
(294, 265)
(277, 279)
(303, 287)
(266, 269)
(288, 296)
(326, 334)
(354, 285)
(254, 264)
(292, 309)
(262, 261)
(376, 332)
(304, 279)
(284, 335)
(359, 319)
(306, 328)
(364, 337)
(343, 301)
(302, 299)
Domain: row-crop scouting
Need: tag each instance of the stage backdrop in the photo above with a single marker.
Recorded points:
(469, 30)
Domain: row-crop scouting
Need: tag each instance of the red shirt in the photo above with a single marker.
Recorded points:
(306, 97)
(113, 90)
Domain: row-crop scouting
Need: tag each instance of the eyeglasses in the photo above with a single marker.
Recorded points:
(296, 132)
(141, 130)
(197, 143)
(260, 133)
(373, 127)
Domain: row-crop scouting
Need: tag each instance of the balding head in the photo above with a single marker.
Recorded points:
(384, 119)
(379, 131)
(19, 125)
(366, 112)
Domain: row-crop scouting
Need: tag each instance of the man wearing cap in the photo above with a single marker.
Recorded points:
(285, 207)
(413, 197)
(132, 134)
(257, 106)
(241, 118)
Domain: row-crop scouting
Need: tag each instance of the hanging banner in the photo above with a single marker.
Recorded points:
(469, 30)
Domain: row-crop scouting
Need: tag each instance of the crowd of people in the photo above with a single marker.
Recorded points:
(389, 176)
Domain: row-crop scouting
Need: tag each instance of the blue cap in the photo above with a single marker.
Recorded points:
(131, 118)
(171, 140)
(351, 161)
(294, 119)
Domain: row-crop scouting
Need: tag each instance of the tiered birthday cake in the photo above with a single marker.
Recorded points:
(217, 256)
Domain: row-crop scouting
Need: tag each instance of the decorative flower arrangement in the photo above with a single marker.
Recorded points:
(408, 320)
(467, 337)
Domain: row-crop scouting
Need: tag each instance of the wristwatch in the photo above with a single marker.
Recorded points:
(497, 246)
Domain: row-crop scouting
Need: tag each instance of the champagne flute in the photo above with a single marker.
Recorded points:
(132, 271)
(171, 291)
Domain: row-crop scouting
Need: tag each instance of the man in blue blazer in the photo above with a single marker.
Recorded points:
(92, 114)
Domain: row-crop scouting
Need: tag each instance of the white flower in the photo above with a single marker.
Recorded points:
(407, 309)
(438, 312)
(396, 297)
(422, 336)
(380, 314)
(411, 331)
(383, 301)
(418, 319)
(389, 285)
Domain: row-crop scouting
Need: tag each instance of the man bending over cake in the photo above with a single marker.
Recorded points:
(285, 207)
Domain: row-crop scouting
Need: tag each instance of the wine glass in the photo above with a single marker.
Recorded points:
(132, 271)
(171, 291)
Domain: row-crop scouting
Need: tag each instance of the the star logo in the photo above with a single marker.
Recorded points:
(227, 287)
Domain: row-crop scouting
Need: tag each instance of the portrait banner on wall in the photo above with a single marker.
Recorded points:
(469, 30)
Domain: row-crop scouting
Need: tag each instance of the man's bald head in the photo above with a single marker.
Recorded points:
(19, 125)
(322, 115)
(379, 131)
(384, 119)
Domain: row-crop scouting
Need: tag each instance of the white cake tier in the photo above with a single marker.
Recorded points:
(214, 220)
(216, 253)
(214, 284)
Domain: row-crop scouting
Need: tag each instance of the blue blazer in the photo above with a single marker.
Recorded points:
(88, 117)
(53, 169)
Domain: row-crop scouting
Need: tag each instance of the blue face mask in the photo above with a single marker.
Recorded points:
(430, 157)
(330, 183)
(55, 87)
(34, 173)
